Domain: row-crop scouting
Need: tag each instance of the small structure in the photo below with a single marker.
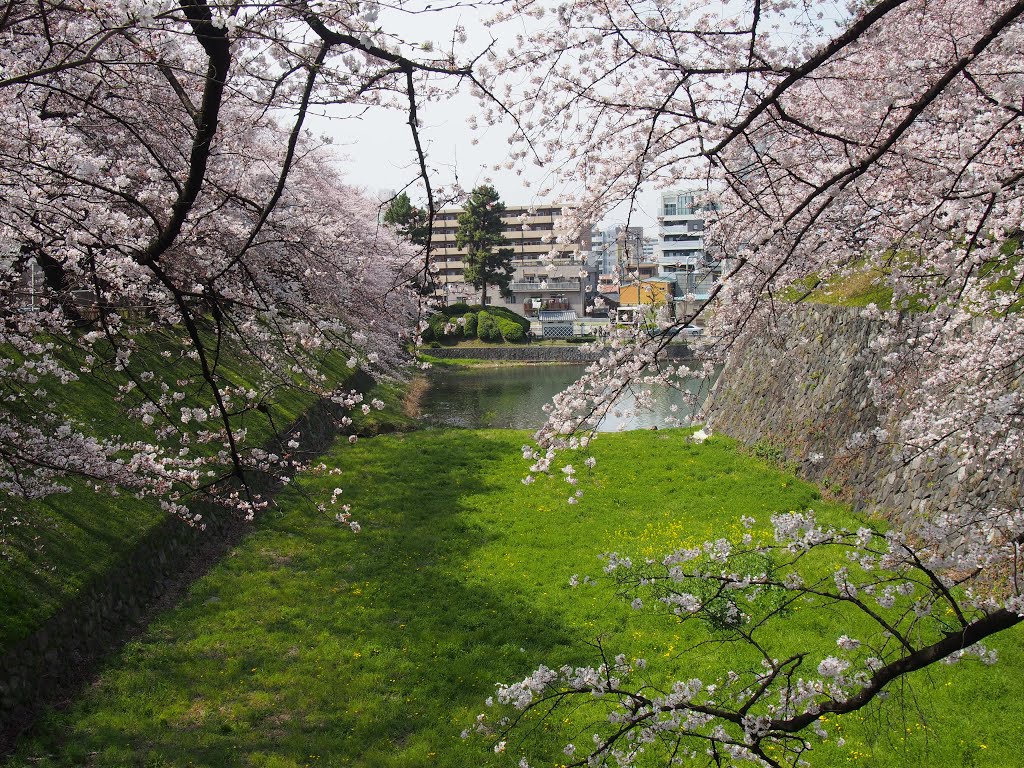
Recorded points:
(557, 324)
(650, 291)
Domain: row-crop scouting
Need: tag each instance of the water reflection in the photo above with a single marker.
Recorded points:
(515, 396)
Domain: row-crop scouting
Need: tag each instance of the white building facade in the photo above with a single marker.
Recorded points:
(681, 252)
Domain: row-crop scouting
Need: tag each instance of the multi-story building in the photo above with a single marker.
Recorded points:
(550, 266)
(681, 252)
(618, 247)
(648, 246)
(680, 231)
(601, 243)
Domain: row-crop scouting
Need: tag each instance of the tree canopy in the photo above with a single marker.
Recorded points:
(153, 179)
(481, 234)
(408, 220)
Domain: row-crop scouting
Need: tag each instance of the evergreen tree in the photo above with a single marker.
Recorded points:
(409, 220)
(480, 233)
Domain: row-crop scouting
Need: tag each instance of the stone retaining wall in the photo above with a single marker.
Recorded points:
(535, 353)
(803, 392)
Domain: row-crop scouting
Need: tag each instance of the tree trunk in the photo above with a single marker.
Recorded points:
(483, 296)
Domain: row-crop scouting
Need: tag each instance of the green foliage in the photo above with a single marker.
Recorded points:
(408, 220)
(451, 316)
(510, 331)
(311, 646)
(1001, 276)
(486, 327)
(501, 324)
(769, 451)
(442, 328)
(480, 232)
(510, 316)
(857, 289)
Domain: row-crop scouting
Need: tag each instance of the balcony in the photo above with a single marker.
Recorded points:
(531, 308)
(530, 261)
(550, 285)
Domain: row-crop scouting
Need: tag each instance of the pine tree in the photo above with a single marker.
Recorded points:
(480, 233)
(408, 220)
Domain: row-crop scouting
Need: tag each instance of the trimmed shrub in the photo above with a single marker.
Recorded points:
(508, 314)
(437, 323)
(513, 332)
(486, 328)
(469, 330)
(454, 310)
(436, 329)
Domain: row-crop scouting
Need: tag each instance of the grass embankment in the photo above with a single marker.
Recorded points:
(863, 286)
(474, 362)
(312, 646)
(51, 548)
(865, 283)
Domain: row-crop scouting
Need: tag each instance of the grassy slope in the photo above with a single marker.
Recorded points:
(313, 646)
(854, 290)
(868, 285)
(51, 548)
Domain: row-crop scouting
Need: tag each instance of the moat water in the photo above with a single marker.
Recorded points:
(515, 396)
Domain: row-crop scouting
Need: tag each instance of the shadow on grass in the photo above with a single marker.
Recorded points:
(311, 646)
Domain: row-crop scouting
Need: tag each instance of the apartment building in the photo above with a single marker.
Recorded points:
(647, 248)
(601, 254)
(681, 253)
(551, 271)
(680, 231)
(617, 247)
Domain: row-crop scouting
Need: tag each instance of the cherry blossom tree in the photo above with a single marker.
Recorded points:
(886, 142)
(157, 177)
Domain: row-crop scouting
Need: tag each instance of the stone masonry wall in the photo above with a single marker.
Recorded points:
(803, 391)
(535, 353)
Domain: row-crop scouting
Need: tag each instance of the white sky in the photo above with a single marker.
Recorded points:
(379, 149)
(379, 144)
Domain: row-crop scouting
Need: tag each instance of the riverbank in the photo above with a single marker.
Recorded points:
(470, 362)
(81, 573)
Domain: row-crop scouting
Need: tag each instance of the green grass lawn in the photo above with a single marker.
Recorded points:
(314, 646)
(857, 289)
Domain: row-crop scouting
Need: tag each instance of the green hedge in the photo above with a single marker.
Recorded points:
(501, 324)
(513, 332)
(486, 327)
(509, 315)
(435, 328)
